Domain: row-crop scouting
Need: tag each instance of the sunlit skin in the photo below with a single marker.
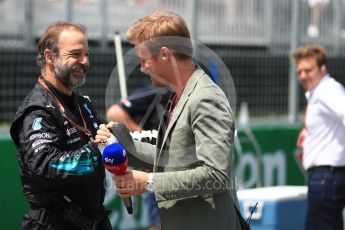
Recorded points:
(309, 73)
(73, 50)
(151, 65)
(164, 68)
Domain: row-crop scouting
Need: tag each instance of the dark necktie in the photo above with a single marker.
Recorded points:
(173, 103)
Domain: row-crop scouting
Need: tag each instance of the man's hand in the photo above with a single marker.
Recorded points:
(132, 183)
(300, 144)
(103, 132)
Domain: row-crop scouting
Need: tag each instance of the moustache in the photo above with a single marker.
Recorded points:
(80, 68)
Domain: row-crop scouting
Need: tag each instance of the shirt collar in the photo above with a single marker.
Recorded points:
(308, 94)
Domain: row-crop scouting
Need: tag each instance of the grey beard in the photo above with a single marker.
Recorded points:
(67, 79)
(76, 82)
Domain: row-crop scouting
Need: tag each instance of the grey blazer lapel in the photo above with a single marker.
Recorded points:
(181, 104)
(160, 135)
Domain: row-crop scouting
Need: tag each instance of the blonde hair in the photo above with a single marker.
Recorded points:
(159, 29)
(314, 51)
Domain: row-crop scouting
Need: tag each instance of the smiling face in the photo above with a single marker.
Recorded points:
(72, 62)
(309, 73)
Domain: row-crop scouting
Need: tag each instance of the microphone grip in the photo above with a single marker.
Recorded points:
(128, 204)
(115, 161)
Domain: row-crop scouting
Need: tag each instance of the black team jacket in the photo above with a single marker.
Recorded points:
(55, 158)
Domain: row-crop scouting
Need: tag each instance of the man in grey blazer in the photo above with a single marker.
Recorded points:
(192, 159)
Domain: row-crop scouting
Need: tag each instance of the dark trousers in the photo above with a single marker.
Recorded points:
(326, 200)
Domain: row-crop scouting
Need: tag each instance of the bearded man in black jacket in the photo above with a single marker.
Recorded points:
(61, 168)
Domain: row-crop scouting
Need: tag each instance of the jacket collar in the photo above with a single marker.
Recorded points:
(189, 88)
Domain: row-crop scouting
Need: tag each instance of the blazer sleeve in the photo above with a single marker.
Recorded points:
(140, 154)
(145, 153)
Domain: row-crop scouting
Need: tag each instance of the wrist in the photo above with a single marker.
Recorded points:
(149, 184)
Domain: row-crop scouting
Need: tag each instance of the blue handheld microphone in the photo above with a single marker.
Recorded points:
(115, 161)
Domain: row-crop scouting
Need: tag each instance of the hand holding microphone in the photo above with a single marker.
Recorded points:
(115, 161)
(114, 156)
(128, 183)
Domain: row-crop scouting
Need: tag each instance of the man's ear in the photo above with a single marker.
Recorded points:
(165, 54)
(48, 56)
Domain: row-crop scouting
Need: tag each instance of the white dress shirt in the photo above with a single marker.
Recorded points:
(325, 122)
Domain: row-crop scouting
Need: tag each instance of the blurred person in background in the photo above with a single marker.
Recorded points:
(315, 9)
(60, 166)
(192, 158)
(324, 145)
(139, 112)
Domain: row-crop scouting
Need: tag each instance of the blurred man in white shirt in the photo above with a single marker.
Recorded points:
(324, 145)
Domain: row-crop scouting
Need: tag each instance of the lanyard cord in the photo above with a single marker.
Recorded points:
(62, 109)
